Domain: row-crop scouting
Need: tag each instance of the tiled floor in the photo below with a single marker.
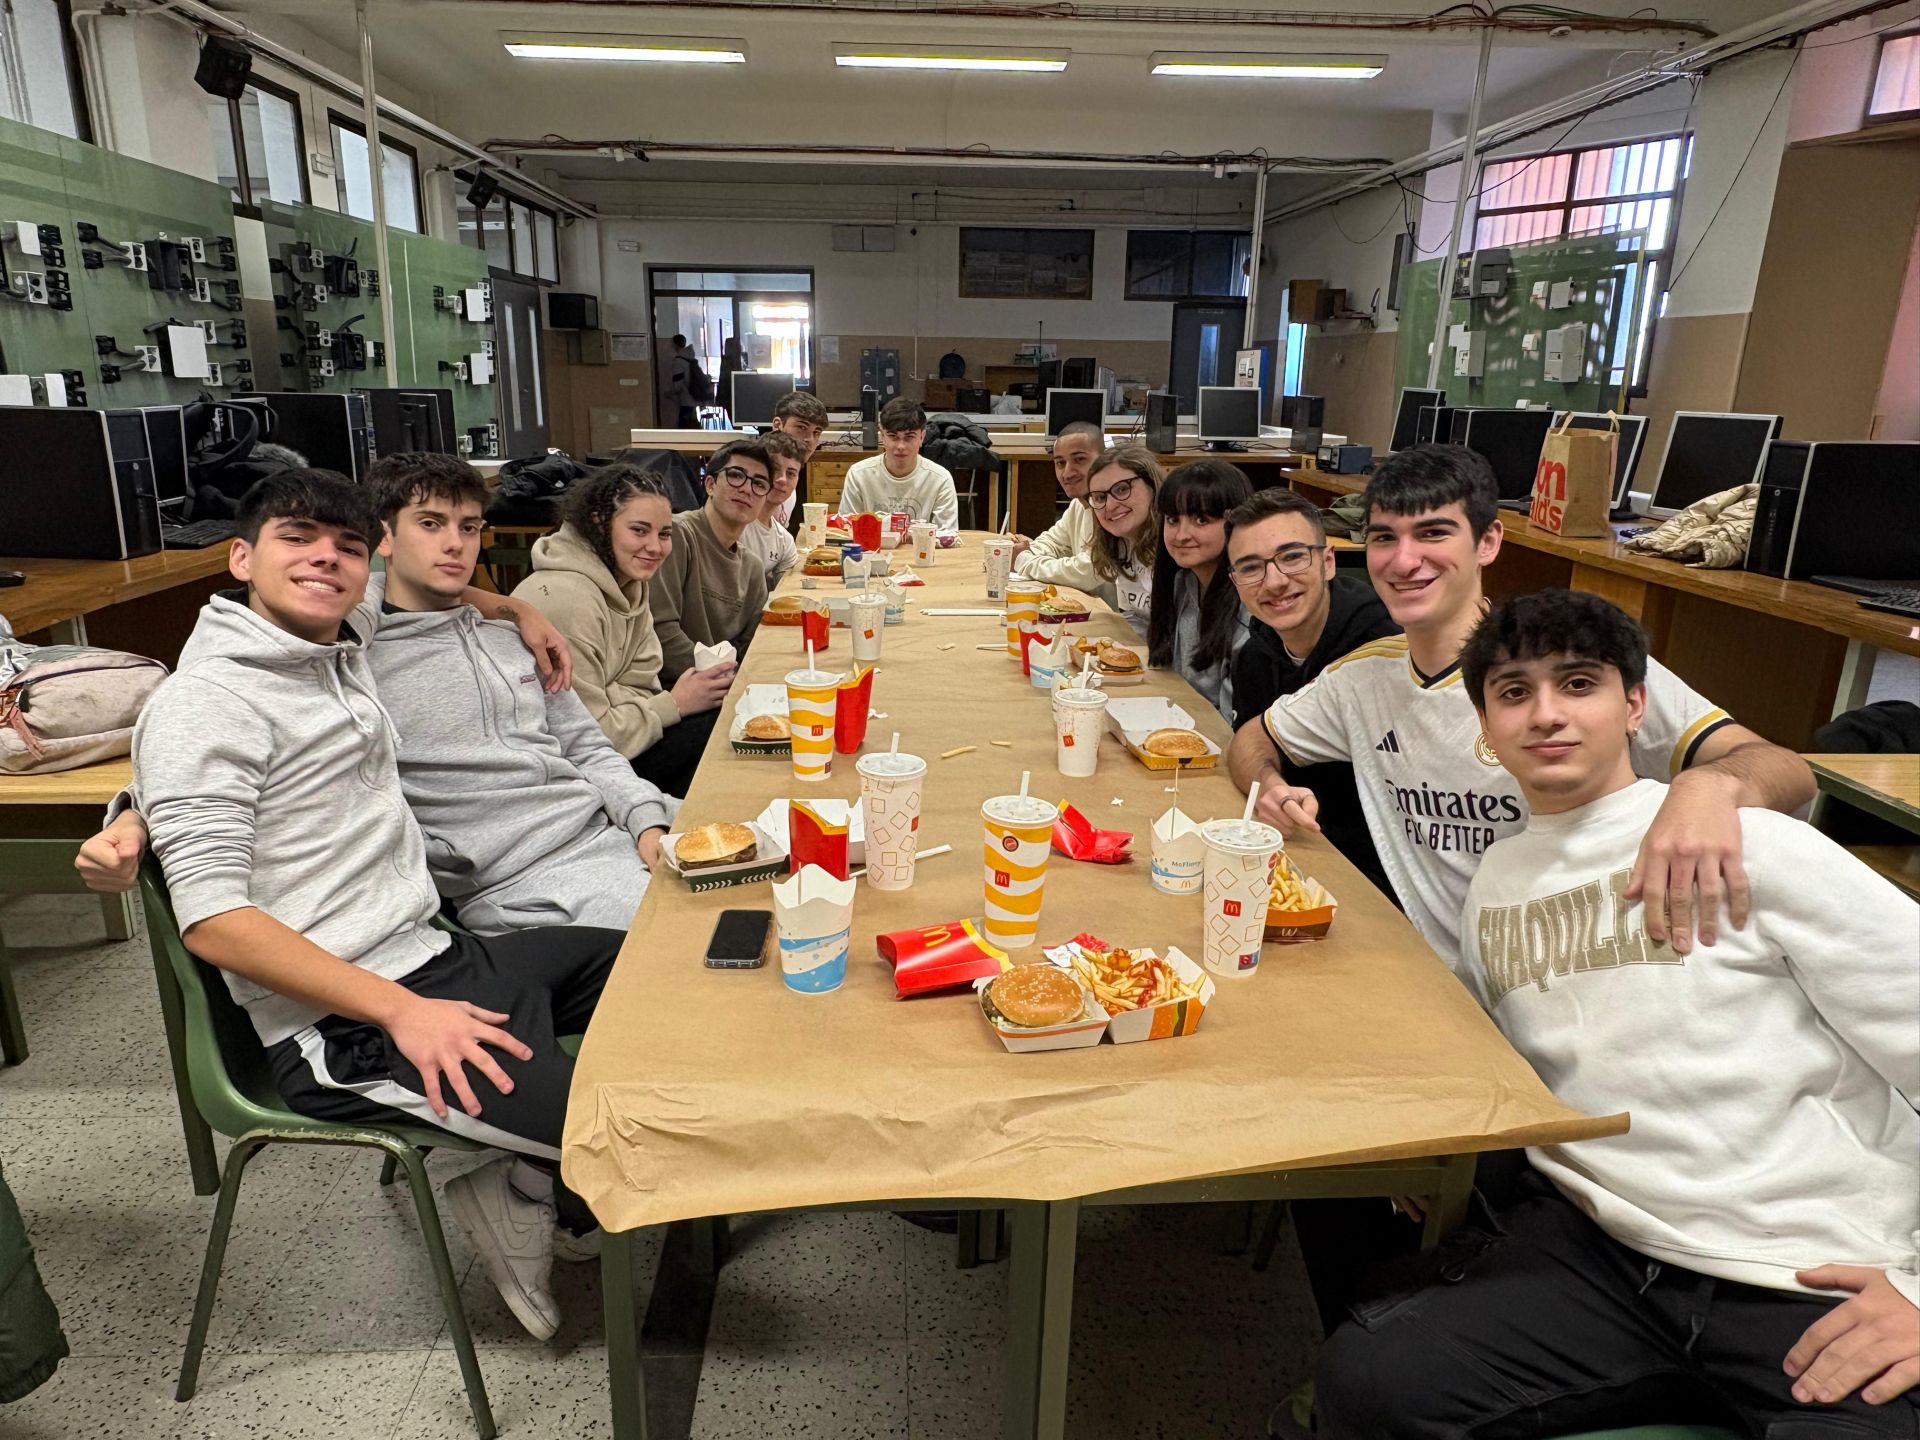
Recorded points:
(844, 1326)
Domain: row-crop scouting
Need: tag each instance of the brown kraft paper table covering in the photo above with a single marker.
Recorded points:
(710, 1092)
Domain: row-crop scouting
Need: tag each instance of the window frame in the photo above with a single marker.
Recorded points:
(503, 198)
(247, 204)
(357, 127)
(1236, 238)
(1568, 204)
(1887, 117)
(1028, 230)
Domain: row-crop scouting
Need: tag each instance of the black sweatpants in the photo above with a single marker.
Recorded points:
(1537, 1323)
(671, 760)
(546, 981)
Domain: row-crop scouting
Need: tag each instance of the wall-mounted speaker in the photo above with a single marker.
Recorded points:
(224, 67)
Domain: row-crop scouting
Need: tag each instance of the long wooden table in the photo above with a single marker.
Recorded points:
(1884, 785)
(63, 596)
(1782, 656)
(1353, 1066)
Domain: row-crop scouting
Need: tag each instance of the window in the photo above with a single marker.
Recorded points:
(46, 89)
(265, 124)
(518, 236)
(1896, 80)
(353, 173)
(1596, 191)
(1026, 264)
(545, 264)
(1187, 264)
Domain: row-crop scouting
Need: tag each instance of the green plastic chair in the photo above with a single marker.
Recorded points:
(233, 1091)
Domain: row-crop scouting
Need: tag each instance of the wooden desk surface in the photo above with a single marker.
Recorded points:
(88, 785)
(58, 590)
(1892, 778)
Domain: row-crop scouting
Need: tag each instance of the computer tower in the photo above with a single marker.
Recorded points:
(1306, 417)
(870, 419)
(1783, 476)
(167, 450)
(88, 493)
(334, 432)
(411, 418)
(1163, 422)
(1079, 373)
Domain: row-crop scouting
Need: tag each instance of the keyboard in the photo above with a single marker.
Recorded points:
(196, 536)
(1902, 600)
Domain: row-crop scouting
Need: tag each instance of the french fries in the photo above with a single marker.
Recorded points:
(1289, 889)
(1121, 980)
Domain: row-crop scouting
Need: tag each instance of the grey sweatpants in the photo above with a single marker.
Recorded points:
(596, 880)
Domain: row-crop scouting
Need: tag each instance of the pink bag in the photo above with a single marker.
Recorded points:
(69, 705)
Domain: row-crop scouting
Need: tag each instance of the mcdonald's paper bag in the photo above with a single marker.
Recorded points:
(1573, 486)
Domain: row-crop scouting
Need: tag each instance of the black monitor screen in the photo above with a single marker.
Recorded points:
(1228, 412)
(1708, 453)
(1064, 407)
(755, 393)
(1859, 512)
(1510, 440)
(1626, 458)
(167, 444)
(1406, 421)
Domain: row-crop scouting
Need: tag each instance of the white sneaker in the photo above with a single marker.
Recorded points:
(576, 1249)
(514, 1239)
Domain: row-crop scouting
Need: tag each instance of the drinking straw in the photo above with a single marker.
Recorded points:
(810, 665)
(1253, 794)
(894, 749)
(1026, 777)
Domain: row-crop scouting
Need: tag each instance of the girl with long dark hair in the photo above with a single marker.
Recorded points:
(1196, 622)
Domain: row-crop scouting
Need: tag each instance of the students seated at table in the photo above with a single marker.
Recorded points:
(1304, 616)
(1195, 624)
(768, 537)
(1433, 794)
(1746, 1252)
(265, 769)
(900, 477)
(1126, 541)
(531, 816)
(804, 417)
(1062, 553)
(592, 577)
(710, 588)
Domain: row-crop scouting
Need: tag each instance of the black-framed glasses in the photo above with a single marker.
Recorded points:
(746, 480)
(1250, 570)
(1119, 490)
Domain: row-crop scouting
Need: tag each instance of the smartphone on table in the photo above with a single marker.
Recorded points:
(739, 940)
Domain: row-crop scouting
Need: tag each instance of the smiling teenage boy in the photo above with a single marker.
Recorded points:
(711, 587)
(1435, 797)
(265, 768)
(1750, 1245)
(1062, 554)
(900, 477)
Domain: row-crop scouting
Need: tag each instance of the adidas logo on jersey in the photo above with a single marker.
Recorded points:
(1390, 743)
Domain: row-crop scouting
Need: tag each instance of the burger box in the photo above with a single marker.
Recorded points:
(772, 822)
(1109, 681)
(1131, 721)
(1290, 927)
(769, 862)
(1153, 1022)
(759, 700)
(1076, 1034)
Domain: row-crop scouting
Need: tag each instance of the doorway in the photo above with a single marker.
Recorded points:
(738, 319)
(1206, 335)
(522, 399)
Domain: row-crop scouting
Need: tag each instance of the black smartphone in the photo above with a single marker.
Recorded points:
(13, 577)
(739, 940)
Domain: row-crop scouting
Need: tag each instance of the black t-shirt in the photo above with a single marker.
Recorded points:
(1263, 672)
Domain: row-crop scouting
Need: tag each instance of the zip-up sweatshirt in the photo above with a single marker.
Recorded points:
(264, 766)
(498, 773)
(1771, 1076)
(609, 628)
(1062, 554)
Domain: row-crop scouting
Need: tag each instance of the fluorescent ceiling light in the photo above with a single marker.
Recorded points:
(659, 49)
(951, 57)
(1271, 67)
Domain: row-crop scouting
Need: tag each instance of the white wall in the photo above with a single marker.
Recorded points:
(1835, 77)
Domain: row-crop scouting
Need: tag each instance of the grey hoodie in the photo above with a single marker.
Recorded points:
(265, 769)
(499, 773)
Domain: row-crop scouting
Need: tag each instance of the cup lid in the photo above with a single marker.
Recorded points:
(890, 764)
(814, 677)
(1081, 695)
(1021, 809)
(1242, 834)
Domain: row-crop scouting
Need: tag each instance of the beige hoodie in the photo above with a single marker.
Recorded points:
(616, 655)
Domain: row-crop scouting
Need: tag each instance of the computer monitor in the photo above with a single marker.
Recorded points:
(411, 419)
(1050, 376)
(330, 430)
(973, 399)
(1626, 459)
(1858, 514)
(755, 393)
(1066, 406)
(1227, 414)
(1080, 373)
(1510, 440)
(1707, 452)
(1406, 419)
(1433, 425)
(167, 448)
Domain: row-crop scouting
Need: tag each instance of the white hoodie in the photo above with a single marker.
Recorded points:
(1771, 1076)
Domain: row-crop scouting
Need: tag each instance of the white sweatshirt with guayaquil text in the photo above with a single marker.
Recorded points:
(1772, 1077)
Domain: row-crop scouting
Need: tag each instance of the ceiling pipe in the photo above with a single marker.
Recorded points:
(1249, 163)
(204, 17)
(1789, 24)
(1451, 260)
(377, 179)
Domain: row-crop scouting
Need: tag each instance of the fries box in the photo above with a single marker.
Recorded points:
(1291, 927)
(769, 862)
(1152, 1022)
(940, 957)
(774, 823)
(1131, 721)
(759, 700)
(1076, 1034)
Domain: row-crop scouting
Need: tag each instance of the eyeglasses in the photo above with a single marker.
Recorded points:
(742, 480)
(1119, 490)
(1288, 560)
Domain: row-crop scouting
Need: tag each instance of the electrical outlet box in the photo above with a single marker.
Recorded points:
(316, 335)
(197, 248)
(16, 390)
(480, 369)
(54, 383)
(149, 357)
(133, 255)
(92, 260)
(26, 235)
(202, 291)
(476, 303)
(206, 329)
(186, 352)
(464, 445)
(54, 255)
(1470, 359)
(1566, 354)
(34, 284)
(1560, 295)
(215, 377)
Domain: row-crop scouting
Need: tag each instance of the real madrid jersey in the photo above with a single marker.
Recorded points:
(1434, 795)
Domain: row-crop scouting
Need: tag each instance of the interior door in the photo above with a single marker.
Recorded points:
(1206, 334)
(520, 384)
